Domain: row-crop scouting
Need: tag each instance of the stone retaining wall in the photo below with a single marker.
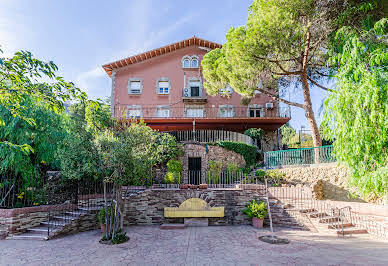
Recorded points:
(334, 179)
(16, 221)
(147, 208)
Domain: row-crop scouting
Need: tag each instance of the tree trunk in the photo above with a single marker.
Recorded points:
(309, 113)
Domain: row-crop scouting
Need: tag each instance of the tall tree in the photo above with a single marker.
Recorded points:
(356, 114)
(24, 76)
(281, 42)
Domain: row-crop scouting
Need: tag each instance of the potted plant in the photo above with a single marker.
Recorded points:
(203, 186)
(184, 186)
(257, 211)
(101, 218)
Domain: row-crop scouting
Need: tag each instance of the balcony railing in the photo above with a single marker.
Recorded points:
(206, 112)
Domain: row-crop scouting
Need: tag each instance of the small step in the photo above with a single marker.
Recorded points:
(28, 236)
(329, 219)
(43, 229)
(172, 226)
(317, 215)
(352, 231)
(66, 217)
(307, 210)
(55, 223)
(339, 225)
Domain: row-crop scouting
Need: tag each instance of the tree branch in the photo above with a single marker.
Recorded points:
(319, 85)
(277, 98)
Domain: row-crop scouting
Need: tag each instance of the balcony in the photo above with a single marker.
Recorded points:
(237, 119)
(193, 95)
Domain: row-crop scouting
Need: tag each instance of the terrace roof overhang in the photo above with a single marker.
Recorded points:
(159, 51)
(229, 124)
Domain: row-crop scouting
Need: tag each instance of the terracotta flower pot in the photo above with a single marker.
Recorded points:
(184, 186)
(257, 223)
(193, 186)
(203, 186)
(103, 228)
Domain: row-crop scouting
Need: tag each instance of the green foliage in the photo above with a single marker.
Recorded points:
(233, 168)
(43, 137)
(101, 215)
(249, 152)
(260, 174)
(256, 209)
(275, 176)
(288, 133)
(23, 76)
(255, 133)
(119, 238)
(214, 171)
(130, 152)
(174, 170)
(356, 113)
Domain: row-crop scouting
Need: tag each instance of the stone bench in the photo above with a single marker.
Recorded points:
(195, 212)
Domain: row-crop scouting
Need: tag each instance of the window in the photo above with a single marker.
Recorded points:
(186, 62)
(194, 112)
(194, 86)
(134, 111)
(194, 63)
(226, 92)
(164, 87)
(226, 111)
(134, 86)
(256, 112)
(162, 111)
(190, 61)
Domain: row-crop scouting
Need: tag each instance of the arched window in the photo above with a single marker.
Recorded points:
(186, 62)
(194, 61)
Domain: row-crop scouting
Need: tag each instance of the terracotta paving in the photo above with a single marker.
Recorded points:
(213, 245)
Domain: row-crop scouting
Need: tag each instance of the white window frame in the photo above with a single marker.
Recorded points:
(158, 88)
(134, 108)
(165, 108)
(194, 57)
(255, 107)
(194, 108)
(135, 80)
(195, 79)
(188, 58)
(222, 113)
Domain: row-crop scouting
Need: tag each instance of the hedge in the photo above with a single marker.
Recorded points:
(249, 152)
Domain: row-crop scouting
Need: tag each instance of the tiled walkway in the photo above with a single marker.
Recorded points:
(214, 245)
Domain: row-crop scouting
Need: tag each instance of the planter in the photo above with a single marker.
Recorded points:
(257, 223)
(193, 186)
(203, 186)
(185, 186)
(103, 228)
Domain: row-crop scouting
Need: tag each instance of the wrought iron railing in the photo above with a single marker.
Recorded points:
(300, 156)
(206, 136)
(160, 111)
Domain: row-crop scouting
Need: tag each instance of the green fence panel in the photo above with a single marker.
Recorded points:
(314, 155)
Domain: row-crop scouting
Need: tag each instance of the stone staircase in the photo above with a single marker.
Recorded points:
(331, 223)
(57, 225)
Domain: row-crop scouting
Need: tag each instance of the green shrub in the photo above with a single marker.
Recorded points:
(214, 172)
(275, 176)
(260, 174)
(249, 152)
(101, 215)
(255, 209)
(232, 168)
(255, 133)
(174, 171)
(119, 238)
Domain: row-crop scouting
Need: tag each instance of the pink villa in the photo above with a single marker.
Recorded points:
(164, 86)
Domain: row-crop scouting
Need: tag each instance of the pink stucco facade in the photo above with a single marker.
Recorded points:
(168, 67)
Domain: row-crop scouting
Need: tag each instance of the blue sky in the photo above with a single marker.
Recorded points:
(80, 36)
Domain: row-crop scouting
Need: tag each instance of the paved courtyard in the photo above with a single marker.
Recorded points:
(216, 245)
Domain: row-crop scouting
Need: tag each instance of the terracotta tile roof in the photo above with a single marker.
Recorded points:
(159, 51)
